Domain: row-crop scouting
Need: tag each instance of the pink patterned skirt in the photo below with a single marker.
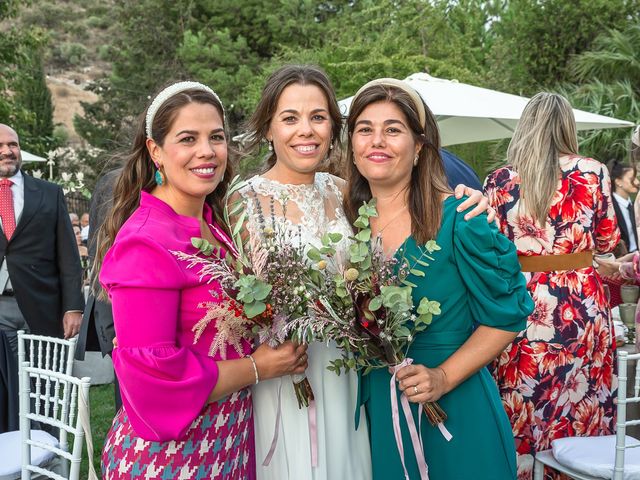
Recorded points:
(219, 444)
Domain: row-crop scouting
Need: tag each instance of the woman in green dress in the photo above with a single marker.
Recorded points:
(393, 156)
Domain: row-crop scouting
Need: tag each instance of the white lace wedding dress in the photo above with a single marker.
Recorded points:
(343, 453)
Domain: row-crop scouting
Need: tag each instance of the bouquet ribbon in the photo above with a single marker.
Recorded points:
(416, 440)
(274, 441)
(313, 430)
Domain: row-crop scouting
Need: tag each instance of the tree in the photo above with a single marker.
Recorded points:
(32, 95)
(143, 59)
(535, 40)
(25, 101)
(608, 79)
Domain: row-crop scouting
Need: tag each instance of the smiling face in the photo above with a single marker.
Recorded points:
(300, 131)
(10, 158)
(193, 156)
(384, 146)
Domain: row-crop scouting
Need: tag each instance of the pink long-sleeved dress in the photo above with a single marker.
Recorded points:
(166, 428)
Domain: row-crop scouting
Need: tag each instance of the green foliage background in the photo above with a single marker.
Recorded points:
(587, 49)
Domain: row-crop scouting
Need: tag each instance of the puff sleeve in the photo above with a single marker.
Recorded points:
(488, 264)
(164, 385)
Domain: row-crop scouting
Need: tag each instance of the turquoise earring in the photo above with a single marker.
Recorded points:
(159, 178)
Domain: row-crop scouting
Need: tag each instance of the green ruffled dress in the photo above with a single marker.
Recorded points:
(476, 278)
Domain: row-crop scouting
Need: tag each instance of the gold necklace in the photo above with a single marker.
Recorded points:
(392, 219)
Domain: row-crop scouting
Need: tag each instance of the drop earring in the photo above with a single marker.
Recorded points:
(270, 146)
(159, 176)
(415, 160)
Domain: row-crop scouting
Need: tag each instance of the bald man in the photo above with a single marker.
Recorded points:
(40, 270)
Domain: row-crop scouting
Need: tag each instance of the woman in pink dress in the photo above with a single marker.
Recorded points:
(557, 377)
(186, 408)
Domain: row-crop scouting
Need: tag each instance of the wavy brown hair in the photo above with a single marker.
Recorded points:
(428, 181)
(259, 123)
(138, 172)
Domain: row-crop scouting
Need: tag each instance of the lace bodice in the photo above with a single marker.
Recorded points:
(310, 210)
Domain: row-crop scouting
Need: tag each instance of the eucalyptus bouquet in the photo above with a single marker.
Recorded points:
(263, 284)
(366, 306)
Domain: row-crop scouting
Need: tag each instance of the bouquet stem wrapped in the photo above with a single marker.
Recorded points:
(302, 389)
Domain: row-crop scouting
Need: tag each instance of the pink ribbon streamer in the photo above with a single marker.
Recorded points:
(445, 433)
(416, 439)
(274, 442)
(313, 431)
(312, 415)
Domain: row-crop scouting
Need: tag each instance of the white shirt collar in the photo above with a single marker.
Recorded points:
(624, 202)
(17, 179)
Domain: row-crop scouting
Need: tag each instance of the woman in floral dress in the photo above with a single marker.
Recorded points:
(557, 377)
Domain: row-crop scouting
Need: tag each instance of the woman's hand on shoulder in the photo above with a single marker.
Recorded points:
(422, 384)
(285, 359)
(475, 198)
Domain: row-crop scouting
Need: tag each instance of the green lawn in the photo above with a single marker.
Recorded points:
(102, 413)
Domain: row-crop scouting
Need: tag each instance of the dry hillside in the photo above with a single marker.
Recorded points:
(77, 51)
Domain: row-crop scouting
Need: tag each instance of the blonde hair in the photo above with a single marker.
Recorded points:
(546, 130)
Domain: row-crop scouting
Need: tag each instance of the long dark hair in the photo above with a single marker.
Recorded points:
(258, 124)
(428, 180)
(138, 171)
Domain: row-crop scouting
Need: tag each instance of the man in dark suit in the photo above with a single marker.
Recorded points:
(40, 271)
(97, 324)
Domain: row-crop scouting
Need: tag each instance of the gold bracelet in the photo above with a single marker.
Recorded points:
(255, 368)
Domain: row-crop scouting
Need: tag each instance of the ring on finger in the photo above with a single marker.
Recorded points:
(415, 390)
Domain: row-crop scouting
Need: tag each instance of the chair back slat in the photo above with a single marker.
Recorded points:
(48, 353)
(622, 423)
(61, 392)
(618, 467)
(49, 395)
(636, 385)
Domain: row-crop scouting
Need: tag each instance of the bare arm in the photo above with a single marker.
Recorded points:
(482, 347)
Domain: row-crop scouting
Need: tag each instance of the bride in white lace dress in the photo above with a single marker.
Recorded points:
(299, 117)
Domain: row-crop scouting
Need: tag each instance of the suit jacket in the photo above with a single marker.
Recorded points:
(43, 260)
(458, 171)
(97, 323)
(624, 232)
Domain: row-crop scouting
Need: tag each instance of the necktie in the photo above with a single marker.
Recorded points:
(632, 217)
(6, 208)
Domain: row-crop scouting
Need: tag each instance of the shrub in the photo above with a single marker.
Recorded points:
(98, 22)
(69, 54)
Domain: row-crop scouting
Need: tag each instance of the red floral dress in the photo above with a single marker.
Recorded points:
(557, 377)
